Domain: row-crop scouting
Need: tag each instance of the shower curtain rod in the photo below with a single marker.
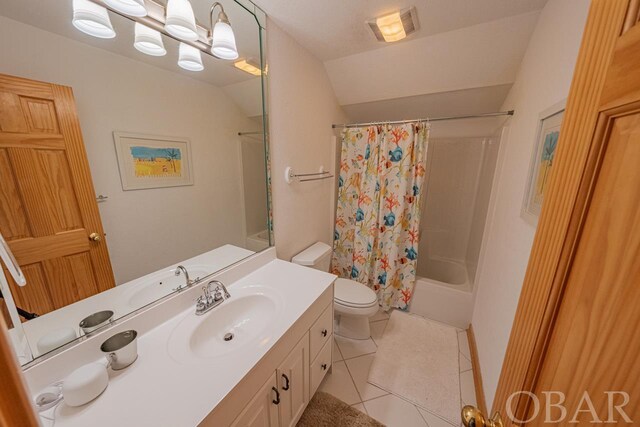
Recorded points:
(434, 119)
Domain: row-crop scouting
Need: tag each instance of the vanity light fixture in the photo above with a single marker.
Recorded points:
(248, 66)
(128, 7)
(395, 26)
(176, 20)
(180, 21)
(92, 19)
(223, 41)
(148, 40)
(189, 58)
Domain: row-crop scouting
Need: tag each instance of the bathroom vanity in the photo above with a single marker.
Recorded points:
(280, 316)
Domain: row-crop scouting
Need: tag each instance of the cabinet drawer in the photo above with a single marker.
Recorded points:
(321, 331)
(320, 366)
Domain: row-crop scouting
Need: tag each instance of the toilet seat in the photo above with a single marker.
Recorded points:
(353, 295)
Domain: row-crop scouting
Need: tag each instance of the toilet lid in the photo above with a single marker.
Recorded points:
(354, 294)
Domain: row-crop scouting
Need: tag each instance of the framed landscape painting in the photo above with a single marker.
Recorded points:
(149, 161)
(542, 160)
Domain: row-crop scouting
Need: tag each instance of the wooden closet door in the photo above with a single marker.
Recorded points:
(576, 327)
(48, 209)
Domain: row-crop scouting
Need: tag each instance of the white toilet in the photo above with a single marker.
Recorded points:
(354, 302)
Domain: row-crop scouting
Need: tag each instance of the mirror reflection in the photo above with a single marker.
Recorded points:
(132, 163)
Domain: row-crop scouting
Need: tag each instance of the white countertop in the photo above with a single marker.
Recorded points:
(158, 390)
(117, 299)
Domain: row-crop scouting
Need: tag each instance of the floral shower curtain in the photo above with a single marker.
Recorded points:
(381, 181)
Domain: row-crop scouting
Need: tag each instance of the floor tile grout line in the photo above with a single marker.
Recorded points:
(399, 397)
(353, 381)
(363, 407)
(338, 348)
(423, 418)
(418, 408)
(360, 355)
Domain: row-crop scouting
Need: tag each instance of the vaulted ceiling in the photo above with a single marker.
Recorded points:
(463, 59)
(332, 29)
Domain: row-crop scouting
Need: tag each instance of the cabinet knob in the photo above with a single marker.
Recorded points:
(324, 366)
(324, 332)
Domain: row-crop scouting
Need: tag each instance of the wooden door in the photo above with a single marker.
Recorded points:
(261, 411)
(48, 208)
(293, 383)
(575, 339)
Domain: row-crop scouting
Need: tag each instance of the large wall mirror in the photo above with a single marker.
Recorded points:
(131, 162)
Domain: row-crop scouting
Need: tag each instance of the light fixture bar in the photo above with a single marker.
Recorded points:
(155, 19)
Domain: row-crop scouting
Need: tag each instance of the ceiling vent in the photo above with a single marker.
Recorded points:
(395, 26)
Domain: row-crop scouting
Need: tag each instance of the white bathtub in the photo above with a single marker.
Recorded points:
(258, 241)
(445, 294)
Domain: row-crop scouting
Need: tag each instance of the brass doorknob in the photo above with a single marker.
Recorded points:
(472, 417)
(95, 237)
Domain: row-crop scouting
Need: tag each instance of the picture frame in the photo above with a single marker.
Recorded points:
(547, 136)
(152, 161)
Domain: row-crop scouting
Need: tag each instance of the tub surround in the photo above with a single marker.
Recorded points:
(442, 302)
(202, 390)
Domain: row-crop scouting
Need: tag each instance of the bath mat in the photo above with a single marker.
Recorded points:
(417, 359)
(324, 410)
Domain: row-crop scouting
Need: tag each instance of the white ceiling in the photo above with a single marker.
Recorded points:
(463, 59)
(332, 29)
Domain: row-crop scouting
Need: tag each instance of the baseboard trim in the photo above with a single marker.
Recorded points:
(477, 375)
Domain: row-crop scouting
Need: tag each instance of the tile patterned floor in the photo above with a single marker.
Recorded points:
(348, 381)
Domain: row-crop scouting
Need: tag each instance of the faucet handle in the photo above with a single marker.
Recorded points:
(207, 294)
(200, 304)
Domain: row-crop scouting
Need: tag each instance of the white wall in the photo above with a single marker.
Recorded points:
(543, 80)
(146, 229)
(302, 107)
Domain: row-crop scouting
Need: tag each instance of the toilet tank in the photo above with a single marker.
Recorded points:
(317, 256)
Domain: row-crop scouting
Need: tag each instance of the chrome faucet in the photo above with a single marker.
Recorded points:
(211, 298)
(181, 270)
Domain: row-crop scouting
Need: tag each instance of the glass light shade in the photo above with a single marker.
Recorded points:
(391, 27)
(181, 22)
(148, 41)
(92, 19)
(224, 41)
(128, 7)
(190, 58)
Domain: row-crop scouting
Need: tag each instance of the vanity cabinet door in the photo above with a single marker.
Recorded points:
(262, 411)
(321, 331)
(293, 383)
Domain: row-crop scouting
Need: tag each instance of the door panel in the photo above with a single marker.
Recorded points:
(595, 344)
(293, 383)
(47, 201)
(575, 329)
(261, 411)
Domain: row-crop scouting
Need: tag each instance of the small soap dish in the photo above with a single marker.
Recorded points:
(49, 397)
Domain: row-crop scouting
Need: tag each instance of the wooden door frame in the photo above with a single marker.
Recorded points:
(566, 202)
(15, 406)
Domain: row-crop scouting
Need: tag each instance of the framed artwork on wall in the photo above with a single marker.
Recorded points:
(150, 161)
(542, 157)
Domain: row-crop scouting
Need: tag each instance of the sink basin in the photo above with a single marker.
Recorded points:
(240, 322)
(154, 286)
